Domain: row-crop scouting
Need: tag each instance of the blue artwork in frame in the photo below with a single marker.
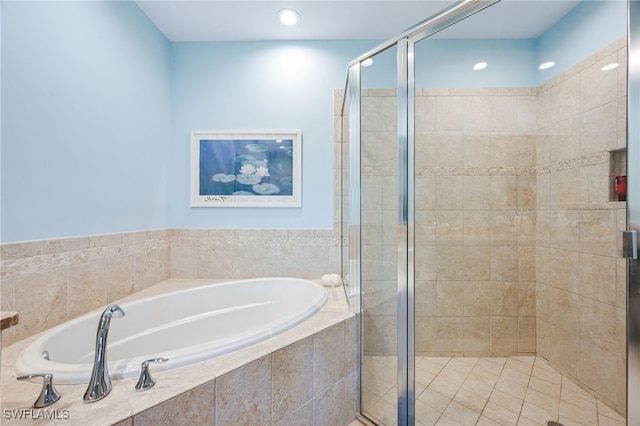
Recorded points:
(246, 169)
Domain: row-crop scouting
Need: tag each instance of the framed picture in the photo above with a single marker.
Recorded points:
(246, 169)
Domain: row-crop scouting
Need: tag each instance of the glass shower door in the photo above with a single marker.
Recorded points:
(519, 293)
(379, 236)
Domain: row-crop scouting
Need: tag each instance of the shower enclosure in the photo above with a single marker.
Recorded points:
(484, 164)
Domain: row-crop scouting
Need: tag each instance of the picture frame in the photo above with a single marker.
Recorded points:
(246, 168)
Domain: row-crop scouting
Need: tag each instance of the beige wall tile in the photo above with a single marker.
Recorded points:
(196, 406)
(504, 263)
(371, 114)
(292, 378)
(450, 298)
(426, 113)
(86, 288)
(597, 231)
(478, 227)
(599, 87)
(477, 193)
(243, 396)
(598, 277)
(504, 335)
(450, 113)
(426, 334)
(526, 187)
(478, 300)
(599, 129)
(425, 298)
(41, 302)
(597, 368)
(527, 334)
(449, 193)
(599, 324)
(329, 357)
(543, 192)
(565, 269)
(302, 416)
(504, 299)
(448, 150)
(448, 263)
(478, 150)
(477, 335)
(329, 406)
(477, 113)
(507, 228)
(426, 262)
(563, 350)
(564, 310)
(527, 299)
(183, 261)
(565, 99)
(477, 264)
(526, 263)
(504, 193)
(564, 139)
(119, 277)
(562, 228)
(425, 193)
(21, 250)
(450, 334)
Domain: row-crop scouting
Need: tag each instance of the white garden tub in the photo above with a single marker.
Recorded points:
(186, 326)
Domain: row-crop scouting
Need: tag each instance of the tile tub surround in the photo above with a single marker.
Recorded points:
(49, 282)
(307, 375)
(52, 281)
(254, 253)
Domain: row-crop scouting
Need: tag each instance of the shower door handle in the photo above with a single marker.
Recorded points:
(628, 244)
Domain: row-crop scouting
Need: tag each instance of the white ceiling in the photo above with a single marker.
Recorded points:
(242, 20)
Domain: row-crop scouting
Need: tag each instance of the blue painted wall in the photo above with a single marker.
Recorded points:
(258, 86)
(449, 63)
(589, 27)
(97, 108)
(85, 119)
(444, 62)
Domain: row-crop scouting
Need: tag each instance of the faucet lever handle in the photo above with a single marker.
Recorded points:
(49, 394)
(146, 381)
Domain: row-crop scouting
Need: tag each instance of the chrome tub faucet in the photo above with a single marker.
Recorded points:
(100, 382)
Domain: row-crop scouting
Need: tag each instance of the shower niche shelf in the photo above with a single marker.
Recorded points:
(618, 175)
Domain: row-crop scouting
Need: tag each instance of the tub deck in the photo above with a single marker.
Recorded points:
(124, 402)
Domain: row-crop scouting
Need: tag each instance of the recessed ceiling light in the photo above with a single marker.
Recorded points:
(288, 16)
(546, 65)
(480, 66)
(367, 62)
(609, 67)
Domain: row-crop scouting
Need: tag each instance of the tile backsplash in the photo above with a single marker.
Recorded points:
(51, 281)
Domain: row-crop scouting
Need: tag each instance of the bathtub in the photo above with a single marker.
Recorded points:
(185, 326)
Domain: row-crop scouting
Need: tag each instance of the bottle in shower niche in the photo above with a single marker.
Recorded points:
(621, 188)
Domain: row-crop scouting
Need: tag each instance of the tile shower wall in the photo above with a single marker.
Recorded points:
(515, 233)
(581, 284)
(475, 234)
(379, 218)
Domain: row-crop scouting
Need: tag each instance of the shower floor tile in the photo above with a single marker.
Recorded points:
(516, 391)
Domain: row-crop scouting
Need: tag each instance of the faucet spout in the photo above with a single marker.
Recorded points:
(100, 382)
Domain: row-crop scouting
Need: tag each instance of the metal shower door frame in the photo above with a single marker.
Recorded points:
(633, 210)
(405, 43)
